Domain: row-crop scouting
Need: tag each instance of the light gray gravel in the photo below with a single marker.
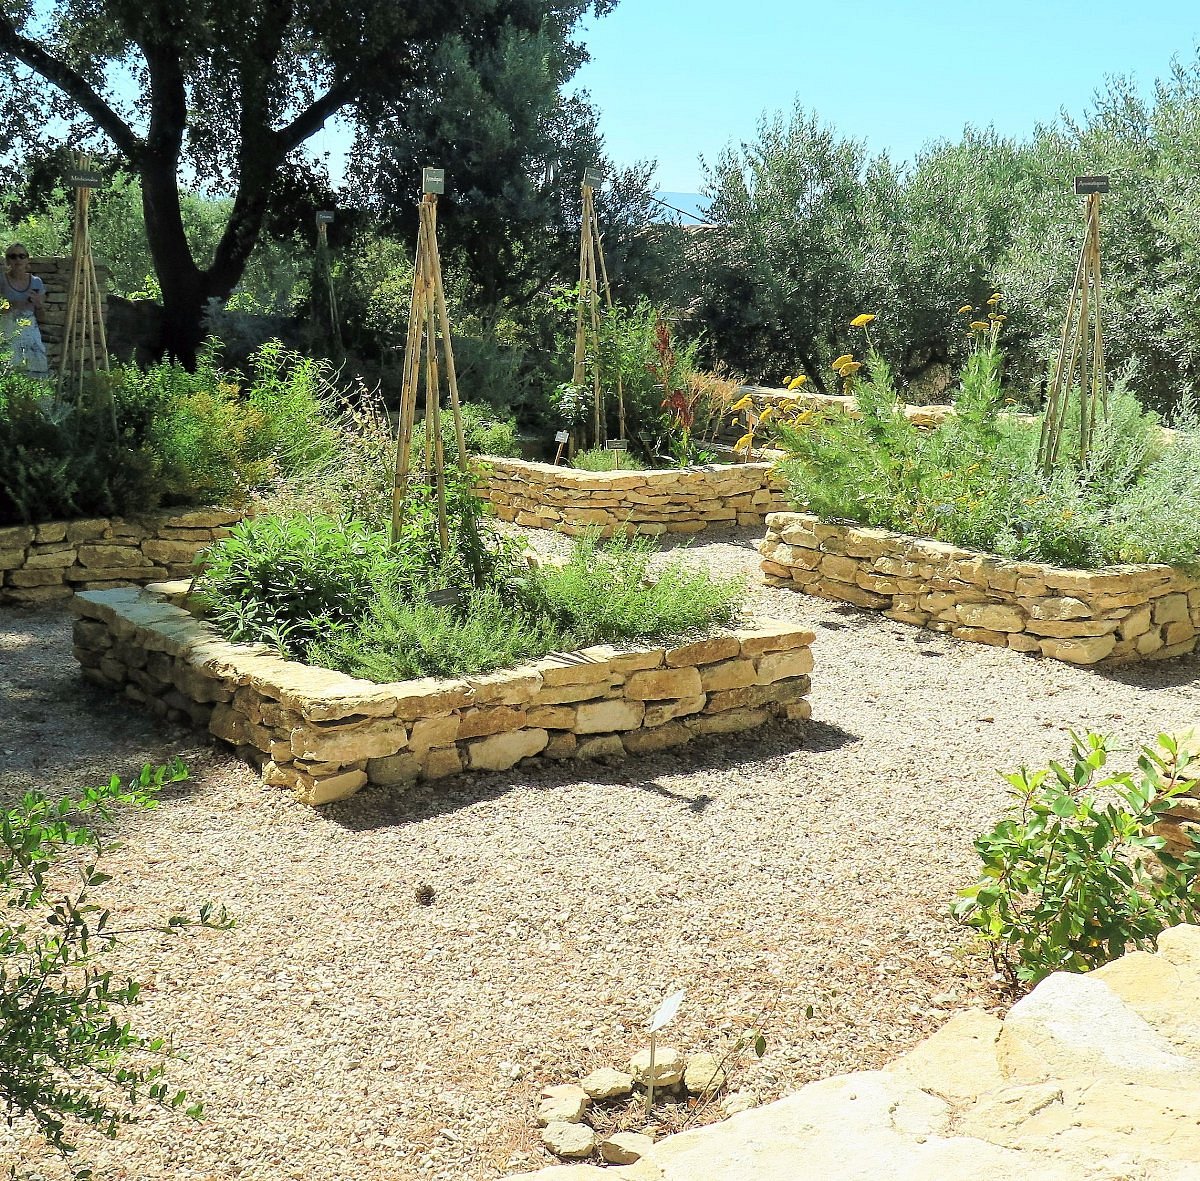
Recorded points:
(345, 1032)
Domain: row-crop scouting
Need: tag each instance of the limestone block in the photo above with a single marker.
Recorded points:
(568, 1140)
(166, 552)
(426, 697)
(599, 746)
(663, 683)
(625, 1148)
(773, 636)
(562, 745)
(316, 792)
(565, 1103)
(204, 518)
(958, 1062)
(1079, 651)
(980, 635)
(658, 713)
(1061, 607)
(640, 742)
(498, 752)
(1178, 633)
(628, 662)
(442, 761)
(348, 743)
(110, 557)
(1136, 623)
(12, 559)
(428, 732)
(569, 694)
(703, 1073)
(498, 719)
(704, 652)
(573, 669)
(994, 617)
(509, 687)
(1149, 641)
(729, 722)
(846, 592)
(553, 717)
(84, 530)
(729, 674)
(16, 536)
(607, 1083)
(1075, 1025)
(398, 770)
(1068, 628)
(777, 666)
(39, 558)
(838, 568)
(599, 717)
(667, 1071)
(35, 578)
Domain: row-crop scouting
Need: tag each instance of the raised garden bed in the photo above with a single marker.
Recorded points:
(673, 500)
(43, 563)
(1115, 614)
(326, 735)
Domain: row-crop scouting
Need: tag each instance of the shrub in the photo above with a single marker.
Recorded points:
(1067, 881)
(600, 460)
(66, 1059)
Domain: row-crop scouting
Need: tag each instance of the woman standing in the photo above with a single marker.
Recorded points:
(20, 337)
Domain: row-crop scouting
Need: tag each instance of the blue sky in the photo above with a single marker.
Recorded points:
(676, 80)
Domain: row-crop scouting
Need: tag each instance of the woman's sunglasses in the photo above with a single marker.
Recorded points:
(14, 257)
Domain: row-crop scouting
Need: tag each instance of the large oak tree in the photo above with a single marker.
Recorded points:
(222, 94)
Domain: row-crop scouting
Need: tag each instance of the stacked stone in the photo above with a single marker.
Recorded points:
(41, 563)
(56, 274)
(678, 500)
(925, 417)
(1115, 614)
(325, 735)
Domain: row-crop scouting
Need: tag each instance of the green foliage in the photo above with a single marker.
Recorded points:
(598, 460)
(1068, 882)
(287, 582)
(605, 592)
(974, 481)
(67, 1060)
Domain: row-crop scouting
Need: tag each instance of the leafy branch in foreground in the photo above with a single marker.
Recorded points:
(1076, 876)
(66, 1060)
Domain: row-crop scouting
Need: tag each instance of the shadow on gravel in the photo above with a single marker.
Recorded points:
(1154, 674)
(381, 808)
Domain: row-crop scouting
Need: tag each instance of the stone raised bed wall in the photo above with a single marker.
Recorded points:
(41, 563)
(678, 500)
(325, 735)
(1114, 614)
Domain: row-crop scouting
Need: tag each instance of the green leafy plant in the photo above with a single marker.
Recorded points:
(67, 1060)
(1075, 877)
(600, 460)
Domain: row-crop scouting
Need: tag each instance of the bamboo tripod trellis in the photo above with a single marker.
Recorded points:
(592, 274)
(1080, 360)
(428, 322)
(326, 272)
(85, 344)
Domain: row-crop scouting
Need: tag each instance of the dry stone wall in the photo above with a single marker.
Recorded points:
(326, 735)
(41, 563)
(679, 500)
(1115, 614)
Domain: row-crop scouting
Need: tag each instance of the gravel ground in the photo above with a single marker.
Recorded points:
(345, 1031)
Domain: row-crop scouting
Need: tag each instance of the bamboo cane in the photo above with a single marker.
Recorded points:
(1055, 402)
(408, 392)
(608, 303)
(447, 343)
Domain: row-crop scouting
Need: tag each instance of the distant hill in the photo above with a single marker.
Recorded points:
(691, 203)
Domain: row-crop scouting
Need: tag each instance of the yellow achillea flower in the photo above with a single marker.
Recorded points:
(745, 403)
(997, 319)
(980, 325)
(743, 442)
(850, 367)
(995, 299)
(797, 382)
(965, 309)
(861, 321)
(844, 359)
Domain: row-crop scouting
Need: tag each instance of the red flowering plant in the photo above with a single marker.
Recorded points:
(680, 397)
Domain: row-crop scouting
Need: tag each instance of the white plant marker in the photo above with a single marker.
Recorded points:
(663, 1015)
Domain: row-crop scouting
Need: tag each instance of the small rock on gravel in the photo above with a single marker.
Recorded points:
(703, 1073)
(668, 1066)
(565, 1104)
(607, 1083)
(625, 1148)
(568, 1140)
(738, 1102)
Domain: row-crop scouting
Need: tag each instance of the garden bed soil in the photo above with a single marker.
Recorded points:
(326, 735)
(1113, 615)
(672, 500)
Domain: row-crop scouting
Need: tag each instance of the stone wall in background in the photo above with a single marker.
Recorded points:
(1114, 614)
(41, 563)
(326, 735)
(675, 500)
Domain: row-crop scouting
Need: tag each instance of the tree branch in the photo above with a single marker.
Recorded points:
(313, 118)
(73, 85)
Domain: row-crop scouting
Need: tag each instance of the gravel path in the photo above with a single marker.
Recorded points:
(344, 1031)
